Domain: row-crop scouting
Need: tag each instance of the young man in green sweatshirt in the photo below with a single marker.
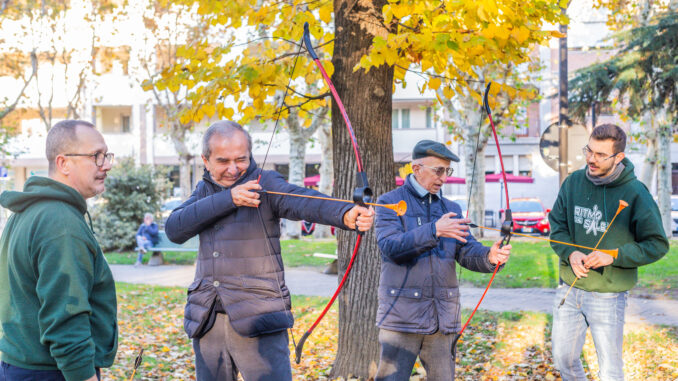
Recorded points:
(585, 207)
(57, 295)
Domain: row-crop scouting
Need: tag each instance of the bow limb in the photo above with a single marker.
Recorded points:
(506, 226)
(361, 195)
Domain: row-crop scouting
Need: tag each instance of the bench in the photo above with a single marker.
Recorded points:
(332, 267)
(164, 244)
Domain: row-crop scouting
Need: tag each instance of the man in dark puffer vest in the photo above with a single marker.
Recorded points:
(419, 309)
(238, 308)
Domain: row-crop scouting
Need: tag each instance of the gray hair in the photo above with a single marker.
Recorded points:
(225, 129)
(148, 215)
(61, 138)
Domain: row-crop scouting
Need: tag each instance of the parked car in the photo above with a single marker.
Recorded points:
(167, 207)
(530, 216)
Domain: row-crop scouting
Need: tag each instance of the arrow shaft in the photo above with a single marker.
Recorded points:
(543, 239)
(323, 198)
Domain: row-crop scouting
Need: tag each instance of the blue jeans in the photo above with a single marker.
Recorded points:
(14, 373)
(603, 312)
(142, 242)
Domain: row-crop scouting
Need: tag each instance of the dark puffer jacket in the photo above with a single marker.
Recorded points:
(237, 263)
(418, 288)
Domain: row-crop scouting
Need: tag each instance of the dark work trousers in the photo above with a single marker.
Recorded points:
(222, 352)
(14, 373)
(399, 351)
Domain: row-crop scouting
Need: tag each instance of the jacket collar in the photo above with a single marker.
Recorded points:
(248, 172)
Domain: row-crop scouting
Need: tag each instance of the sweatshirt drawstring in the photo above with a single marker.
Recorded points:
(90, 222)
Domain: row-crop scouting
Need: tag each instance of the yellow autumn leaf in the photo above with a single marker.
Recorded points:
(434, 83)
(520, 34)
(325, 12)
(400, 11)
(448, 92)
(557, 34)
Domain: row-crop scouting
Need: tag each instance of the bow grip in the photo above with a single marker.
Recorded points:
(362, 194)
(506, 227)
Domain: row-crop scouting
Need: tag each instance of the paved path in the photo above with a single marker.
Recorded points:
(304, 281)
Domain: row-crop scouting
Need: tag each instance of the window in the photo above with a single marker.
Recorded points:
(525, 165)
(400, 118)
(405, 118)
(521, 129)
(114, 119)
(125, 123)
(429, 117)
(489, 165)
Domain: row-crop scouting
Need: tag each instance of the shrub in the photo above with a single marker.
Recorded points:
(131, 191)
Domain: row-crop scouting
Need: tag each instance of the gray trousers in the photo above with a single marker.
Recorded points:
(222, 353)
(399, 351)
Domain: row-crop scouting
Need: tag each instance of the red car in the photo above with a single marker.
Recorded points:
(530, 216)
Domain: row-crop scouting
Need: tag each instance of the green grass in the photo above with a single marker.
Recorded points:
(295, 253)
(532, 264)
(170, 257)
(300, 252)
(663, 274)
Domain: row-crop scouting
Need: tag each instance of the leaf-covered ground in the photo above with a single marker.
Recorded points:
(499, 346)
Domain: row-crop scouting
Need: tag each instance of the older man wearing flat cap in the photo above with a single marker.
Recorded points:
(419, 308)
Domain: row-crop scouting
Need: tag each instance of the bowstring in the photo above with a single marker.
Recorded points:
(267, 237)
(473, 177)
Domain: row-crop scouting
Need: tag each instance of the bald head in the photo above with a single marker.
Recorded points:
(63, 138)
(225, 129)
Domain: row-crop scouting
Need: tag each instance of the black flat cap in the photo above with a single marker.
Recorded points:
(430, 148)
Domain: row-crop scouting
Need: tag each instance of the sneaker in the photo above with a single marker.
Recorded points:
(137, 264)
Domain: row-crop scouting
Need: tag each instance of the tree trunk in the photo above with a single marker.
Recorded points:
(664, 187)
(650, 161)
(326, 172)
(178, 135)
(367, 97)
(185, 175)
(297, 165)
(475, 183)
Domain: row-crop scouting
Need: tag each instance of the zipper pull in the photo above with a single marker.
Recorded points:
(419, 221)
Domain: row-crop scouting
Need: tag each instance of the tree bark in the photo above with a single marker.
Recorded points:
(664, 187)
(367, 97)
(650, 161)
(297, 166)
(178, 135)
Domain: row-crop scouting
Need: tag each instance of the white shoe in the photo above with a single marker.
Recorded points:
(137, 264)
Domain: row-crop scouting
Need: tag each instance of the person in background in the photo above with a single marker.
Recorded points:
(147, 237)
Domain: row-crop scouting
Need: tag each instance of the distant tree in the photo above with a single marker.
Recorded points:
(642, 79)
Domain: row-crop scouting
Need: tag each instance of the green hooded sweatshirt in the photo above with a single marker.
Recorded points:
(57, 295)
(583, 211)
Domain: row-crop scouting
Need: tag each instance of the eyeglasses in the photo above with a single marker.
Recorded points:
(596, 155)
(99, 157)
(439, 171)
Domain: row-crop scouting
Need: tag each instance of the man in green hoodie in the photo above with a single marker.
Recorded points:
(57, 295)
(586, 204)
